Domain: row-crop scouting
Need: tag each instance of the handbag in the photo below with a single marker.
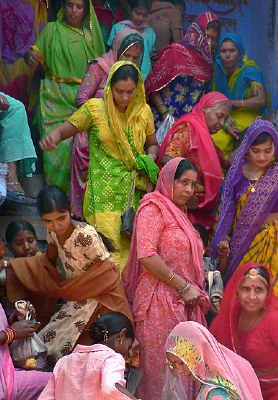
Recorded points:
(128, 216)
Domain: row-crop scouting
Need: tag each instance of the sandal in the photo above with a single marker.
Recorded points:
(21, 197)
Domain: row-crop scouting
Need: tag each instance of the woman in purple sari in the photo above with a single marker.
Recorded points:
(18, 384)
(247, 227)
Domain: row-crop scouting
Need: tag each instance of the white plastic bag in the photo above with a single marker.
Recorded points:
(164, 128)
(29, 353)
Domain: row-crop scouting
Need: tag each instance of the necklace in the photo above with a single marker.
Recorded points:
(252, 184)
(253, 181)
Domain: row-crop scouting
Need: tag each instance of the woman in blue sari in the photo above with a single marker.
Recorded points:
(242, 82)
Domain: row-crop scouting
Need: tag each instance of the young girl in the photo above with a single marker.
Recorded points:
(92, 279)
(139, 11)
(21, 239)
(97, 371)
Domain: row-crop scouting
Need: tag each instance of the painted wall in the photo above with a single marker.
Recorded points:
(256, 22)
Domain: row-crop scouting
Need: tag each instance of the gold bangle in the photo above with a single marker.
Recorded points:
(171, 278)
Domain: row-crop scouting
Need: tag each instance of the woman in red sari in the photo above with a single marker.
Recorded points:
(247, 323)
(163, 277)
(190, 137)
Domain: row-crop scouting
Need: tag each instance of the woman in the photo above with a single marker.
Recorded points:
(63, 48)
(194, 354)
(164, 278)
(248, 220)
(242, 82)
(21, 22)
(245, 324)
(21, 239)
(14, 383)
(16, 149)
(189, 137)
(127, 46)
(120, 129)
(182, 71)
(97, 371)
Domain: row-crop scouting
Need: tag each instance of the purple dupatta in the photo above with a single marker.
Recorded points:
(258, 205)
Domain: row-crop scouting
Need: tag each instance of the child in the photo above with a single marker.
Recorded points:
(21, 239)
(139, 11)
(97, 371)
(81, 251)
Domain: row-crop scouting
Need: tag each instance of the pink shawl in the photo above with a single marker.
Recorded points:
(202, 144)
(7, 368)
(163, 194)
(109, 58)
(212, 363)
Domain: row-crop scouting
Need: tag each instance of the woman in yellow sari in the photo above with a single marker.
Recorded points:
(120, 130)
(242, 82)
(247, 227)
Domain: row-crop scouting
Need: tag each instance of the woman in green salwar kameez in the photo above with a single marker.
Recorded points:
(64, 48)
(120, 130)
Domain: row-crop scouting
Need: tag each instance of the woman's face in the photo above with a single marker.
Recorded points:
(123, 345)
(176, 363)
(74, 12)
(57, 221)
(229, 55)
(183, 188)
(132, 54)
(252, 294)
(123, 92)
(213, 39)
(260, 155)
(216, 117)
(138, 15)
(24, 244)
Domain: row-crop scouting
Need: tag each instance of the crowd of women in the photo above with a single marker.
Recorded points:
(125, 217)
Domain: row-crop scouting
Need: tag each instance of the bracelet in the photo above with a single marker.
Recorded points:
(241, 102)
(171, 277)
(160, 104)
(185, 288)
(164, 111)
(10, 335)
(152, 154)
(227, 238)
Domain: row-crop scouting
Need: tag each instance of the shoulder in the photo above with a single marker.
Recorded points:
(83, 232)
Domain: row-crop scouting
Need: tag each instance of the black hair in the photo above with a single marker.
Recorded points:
(52, 198)
(110, 324)
(261, 271)
(124, 73)
(147, 4)
(86, 6)
(203, 233)
(262, 138)
(183, 166)
(215, 25)
(18, 226)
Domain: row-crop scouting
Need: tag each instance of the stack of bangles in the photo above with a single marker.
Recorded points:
(10, 335)
(162, 109)
(185, 288)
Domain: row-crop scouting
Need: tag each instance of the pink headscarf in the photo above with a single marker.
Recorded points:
(109, 58)
(202, 144)
(163, 197)
(212, 363)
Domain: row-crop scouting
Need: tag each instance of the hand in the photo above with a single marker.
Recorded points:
(50, 142)
(4, 104)
(33, 58)
(152, 156)
(223, 249)
(192, 296)
(25, 329)
(192, 203)
(233, 132)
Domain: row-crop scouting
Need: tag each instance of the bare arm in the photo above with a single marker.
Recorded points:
(158, 104)
(254, 103)
(125, 391)
(52, 253)
(151, 146)
(165, 159)
(158, 268)
(62, 132)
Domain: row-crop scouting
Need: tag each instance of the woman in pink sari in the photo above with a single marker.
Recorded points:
(194, 354)
(17, 384)
(163, 277)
